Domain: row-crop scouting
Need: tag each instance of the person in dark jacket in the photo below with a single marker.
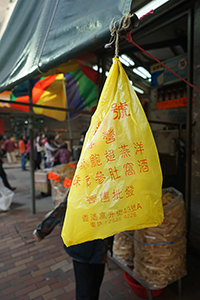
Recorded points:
(2, 172)
(89, 258)
(63, 154)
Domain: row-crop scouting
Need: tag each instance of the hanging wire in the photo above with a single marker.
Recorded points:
(124, 25)
(54, 12)
(129, 39)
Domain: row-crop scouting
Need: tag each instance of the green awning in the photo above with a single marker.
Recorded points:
(42, 35)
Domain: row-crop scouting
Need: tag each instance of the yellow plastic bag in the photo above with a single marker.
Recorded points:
(117, 185)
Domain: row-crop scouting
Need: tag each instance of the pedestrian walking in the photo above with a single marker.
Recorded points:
(50, 150)
(9, 147)
(2, 172)
(22, 151)
(38, 149)
(89, 258)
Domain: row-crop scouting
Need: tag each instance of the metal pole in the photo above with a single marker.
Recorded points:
(51, 107)
(68, 118)
(31, 138)
(190, 43)
(180, 288)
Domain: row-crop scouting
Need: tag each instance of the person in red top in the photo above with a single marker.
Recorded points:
(63, 154)
(22, 150)
(9, 147)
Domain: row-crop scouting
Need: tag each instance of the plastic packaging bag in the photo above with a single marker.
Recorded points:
(160, 253)
(117, 185)
(123, 247)
(6, 197)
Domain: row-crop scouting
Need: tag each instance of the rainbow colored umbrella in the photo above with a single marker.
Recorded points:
(81, 89)
(48, 91)
(78, 87)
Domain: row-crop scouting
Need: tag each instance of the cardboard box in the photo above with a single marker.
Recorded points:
(42, 183)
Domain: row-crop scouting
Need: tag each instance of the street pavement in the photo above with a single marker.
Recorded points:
(42, 271)
(22, 197)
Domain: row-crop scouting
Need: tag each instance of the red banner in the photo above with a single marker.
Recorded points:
(172, 103)
(1, 126)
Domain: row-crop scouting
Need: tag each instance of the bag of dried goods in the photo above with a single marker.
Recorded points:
(123, 247)
(160, 252)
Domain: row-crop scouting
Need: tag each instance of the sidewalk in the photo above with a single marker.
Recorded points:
(42, 271)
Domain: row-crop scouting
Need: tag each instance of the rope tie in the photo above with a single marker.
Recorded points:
(115, 32)
(155, 244)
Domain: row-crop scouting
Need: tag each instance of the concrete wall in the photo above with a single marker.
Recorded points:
(164, 134)
(78, 125)
(6, 124)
